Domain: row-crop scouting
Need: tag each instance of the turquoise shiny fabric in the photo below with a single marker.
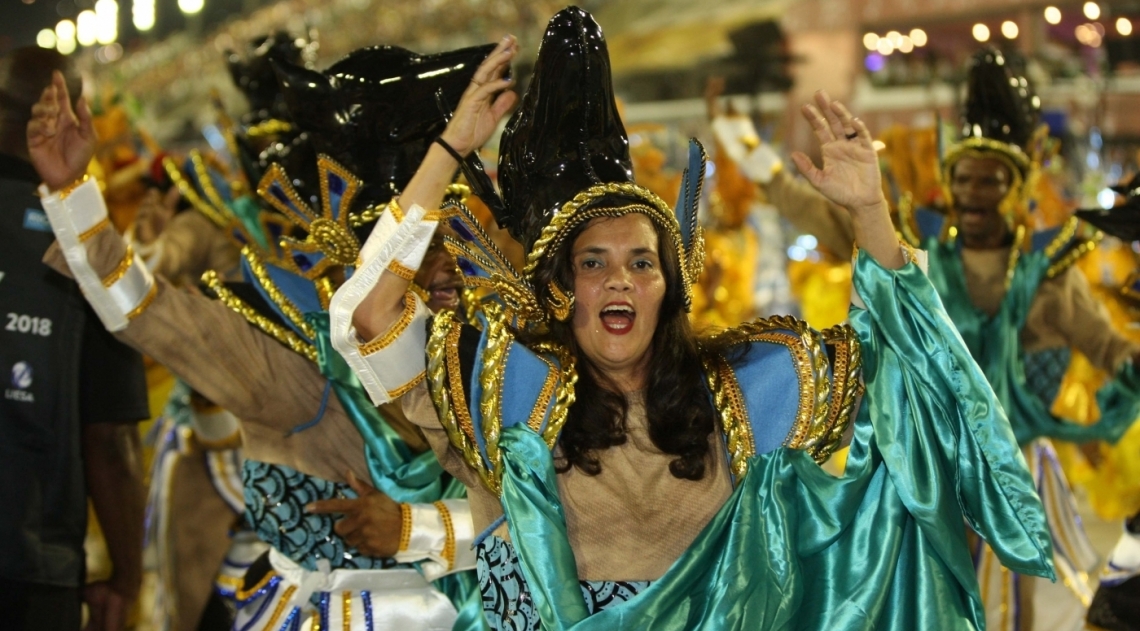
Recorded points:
(394, 469)
(882, 547)
(995, 342)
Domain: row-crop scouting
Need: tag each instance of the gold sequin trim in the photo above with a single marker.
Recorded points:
(407, 387)
(271, 127)
(151, 294)
(449, 534)
(121, 269)
(315, 621)
(246, 594)
(402, 271)
(70, 188)
(257, 266)
(215, 215)
(1066, 234)
(276, 331)
(281, 605)
(1073, 256)
(346, 598)
(405, 527)
(397, 329)
(810, 362)
(94, 230)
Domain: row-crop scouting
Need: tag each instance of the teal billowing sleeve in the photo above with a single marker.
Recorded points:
(882, 547)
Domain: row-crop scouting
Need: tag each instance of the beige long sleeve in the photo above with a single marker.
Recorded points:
(269, 387)
(1066, 313)
(811, 212)
(189, 246)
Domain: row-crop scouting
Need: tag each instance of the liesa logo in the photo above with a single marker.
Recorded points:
(21, 381)
(22, 375)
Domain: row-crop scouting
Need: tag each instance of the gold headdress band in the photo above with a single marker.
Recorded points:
(1022, 171)
(583, 207)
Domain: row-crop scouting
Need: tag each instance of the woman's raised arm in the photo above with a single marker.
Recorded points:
(850, 177)
(483, 105)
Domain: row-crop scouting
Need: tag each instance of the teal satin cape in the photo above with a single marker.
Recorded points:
(882, 547)
(394, 469)
(995, 342)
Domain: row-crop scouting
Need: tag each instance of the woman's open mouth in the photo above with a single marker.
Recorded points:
(618, 318)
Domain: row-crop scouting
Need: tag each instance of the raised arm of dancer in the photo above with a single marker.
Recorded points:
(483, 105)
(849, 157)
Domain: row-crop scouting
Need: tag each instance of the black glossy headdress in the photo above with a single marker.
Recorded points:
(999, 120)
(375, 111)
(563, 160)
(1121, 221)
(253, 73)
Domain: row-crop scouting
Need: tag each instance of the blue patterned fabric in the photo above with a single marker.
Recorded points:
(275, 499)
(506, 598)
(1044, 371)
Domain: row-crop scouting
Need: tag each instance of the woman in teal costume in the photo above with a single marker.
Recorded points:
(651, 479)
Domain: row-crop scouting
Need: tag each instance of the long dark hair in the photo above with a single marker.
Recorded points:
(680, 415)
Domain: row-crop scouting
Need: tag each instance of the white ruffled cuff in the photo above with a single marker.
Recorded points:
(393, 363)
(441, 535)
(76, 215)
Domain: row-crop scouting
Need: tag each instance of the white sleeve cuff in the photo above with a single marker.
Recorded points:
(393, 363)
(75, 216)
(738, 138)
(442, 539)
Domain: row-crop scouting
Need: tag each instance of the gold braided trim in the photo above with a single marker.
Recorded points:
(497, 345)
(151, 294)
(1074, 255)
(257, 266)
(544, 395)
(579, 210)
(908, 224)
(70, 188)
(401, 271)
(847, 387)
(280, 609)
(405, 527)
(276, 331)
(397, 212)
(1066, 234)
(1014, 255)
(458, 387)
(383, 341)
(565, 394)
(810, 362)
(441, 396)
(270, 127)
(729, 402)
(121, 269)
(215, 215)
(346, 599)
(206, 182)
(407, 387)
(448, 553)
(315, 621)
(87, 234)
(246, 594)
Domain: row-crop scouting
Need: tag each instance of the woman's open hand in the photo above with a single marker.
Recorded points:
(850, 175)
(61, 141)
(485, 102)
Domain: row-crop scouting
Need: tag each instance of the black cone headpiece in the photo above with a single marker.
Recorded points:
(566, 135)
